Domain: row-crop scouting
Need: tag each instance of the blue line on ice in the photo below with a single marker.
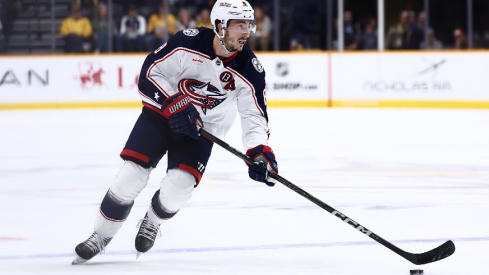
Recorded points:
(241, 248)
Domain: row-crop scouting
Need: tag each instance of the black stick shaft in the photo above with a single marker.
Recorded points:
(441, 252)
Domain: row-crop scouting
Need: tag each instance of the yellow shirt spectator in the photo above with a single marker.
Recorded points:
(205, 24)
(80, 26)
(156, 20)
(204, 19)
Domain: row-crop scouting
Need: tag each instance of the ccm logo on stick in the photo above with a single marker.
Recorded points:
(352, 223)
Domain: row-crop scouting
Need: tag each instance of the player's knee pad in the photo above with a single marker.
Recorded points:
(130, 181)
(176, 189)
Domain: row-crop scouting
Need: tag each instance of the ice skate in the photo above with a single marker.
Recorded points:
(146, 236)
(86, 250)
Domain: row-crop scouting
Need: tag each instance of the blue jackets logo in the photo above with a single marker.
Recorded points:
(202, 94)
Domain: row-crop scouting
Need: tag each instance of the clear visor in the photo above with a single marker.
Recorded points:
(247, 26)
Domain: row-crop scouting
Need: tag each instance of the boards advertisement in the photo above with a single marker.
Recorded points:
(307, 79)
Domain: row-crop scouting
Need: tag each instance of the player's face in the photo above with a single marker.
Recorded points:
(237, 32)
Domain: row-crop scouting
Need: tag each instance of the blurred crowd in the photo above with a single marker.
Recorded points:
(144, 25)
(407, 34)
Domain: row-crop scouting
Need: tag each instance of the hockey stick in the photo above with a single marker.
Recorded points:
(436, 254)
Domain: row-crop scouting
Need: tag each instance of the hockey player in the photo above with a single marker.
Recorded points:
(199, 78)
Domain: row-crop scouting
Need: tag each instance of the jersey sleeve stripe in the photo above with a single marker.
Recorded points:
(149, 100)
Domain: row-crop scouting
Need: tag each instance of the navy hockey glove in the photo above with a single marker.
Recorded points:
(182, 115)
(264, 162)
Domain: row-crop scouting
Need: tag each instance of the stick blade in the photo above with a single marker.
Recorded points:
(439, 253)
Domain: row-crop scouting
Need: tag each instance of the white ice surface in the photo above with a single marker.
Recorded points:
(415, 177)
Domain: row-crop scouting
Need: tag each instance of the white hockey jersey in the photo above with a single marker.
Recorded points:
(218, 88)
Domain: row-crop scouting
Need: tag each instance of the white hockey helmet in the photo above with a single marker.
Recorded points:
(225, 10)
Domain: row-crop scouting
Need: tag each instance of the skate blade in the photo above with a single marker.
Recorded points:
(78, 260)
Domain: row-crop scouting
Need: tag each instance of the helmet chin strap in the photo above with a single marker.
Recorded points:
(222, 41)
(221, 38)
(224, 46)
